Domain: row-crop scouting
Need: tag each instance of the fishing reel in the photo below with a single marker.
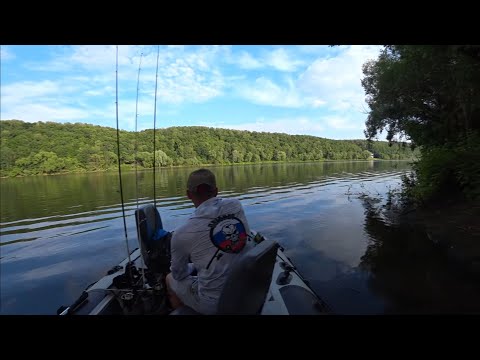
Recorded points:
(138, 296)
(130, 279)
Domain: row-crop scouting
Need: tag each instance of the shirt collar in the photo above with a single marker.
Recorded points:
(205, 204)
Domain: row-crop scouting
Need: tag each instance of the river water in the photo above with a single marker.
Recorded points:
(60, 233)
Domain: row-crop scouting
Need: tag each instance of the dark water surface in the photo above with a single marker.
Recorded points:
(61, 233)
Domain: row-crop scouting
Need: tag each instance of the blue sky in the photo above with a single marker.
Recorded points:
(307, 89)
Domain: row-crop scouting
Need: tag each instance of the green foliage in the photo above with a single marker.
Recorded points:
(447, 170)
(467, 171)
(279, 155)
(429, 95)
(145, 159)
(44, 162)
(434, 173)
(82, 147)
(162, 159)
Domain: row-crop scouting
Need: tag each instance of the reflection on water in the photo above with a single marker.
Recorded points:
(410, 272)
(60, 233)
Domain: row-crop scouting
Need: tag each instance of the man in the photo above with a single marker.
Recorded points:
(209, 243)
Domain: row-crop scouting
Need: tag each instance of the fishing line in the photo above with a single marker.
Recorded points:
(136, 161)
(118, 155)
(136, 131)
(154, 122)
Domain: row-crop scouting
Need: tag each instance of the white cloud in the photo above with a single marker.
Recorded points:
(180, 82)
(247, 61)
(312, 49)
(100, 92)
(280, 60)
(106, 114)
(33, 112)
(126, 113)
(184, 74)
(6, 53)
(318, 102)
(16, 93)
(181, 47)
(337, 80)
(266, 92)
(42, 101)
(332, 82)
(299, 125)
(343, 123)
(104, 56)
(193, 74)
(85, 57)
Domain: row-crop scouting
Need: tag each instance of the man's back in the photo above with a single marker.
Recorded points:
(216, 220)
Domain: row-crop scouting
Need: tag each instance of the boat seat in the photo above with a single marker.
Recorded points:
(247, 283)
(148, 222)
(154, 241)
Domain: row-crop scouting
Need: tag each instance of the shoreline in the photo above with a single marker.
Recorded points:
(129, 169)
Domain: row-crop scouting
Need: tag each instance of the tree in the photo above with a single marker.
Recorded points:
(162, 159)
(279, 155)
(44, 162)
(431, 96)
(145, 159)
(366, 155)
(90, 147)
(427, 94)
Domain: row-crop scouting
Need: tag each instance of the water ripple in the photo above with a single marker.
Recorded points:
(34, 229)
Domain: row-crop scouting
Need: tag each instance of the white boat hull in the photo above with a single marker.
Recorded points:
(288, 294)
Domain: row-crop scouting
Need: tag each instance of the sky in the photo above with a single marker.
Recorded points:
(306, 89)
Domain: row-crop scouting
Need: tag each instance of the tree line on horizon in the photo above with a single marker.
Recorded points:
(50, 147)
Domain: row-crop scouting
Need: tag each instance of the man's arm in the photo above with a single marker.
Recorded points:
(244, 219)
(180, 256)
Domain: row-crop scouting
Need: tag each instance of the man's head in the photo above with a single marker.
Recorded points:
(201, 186)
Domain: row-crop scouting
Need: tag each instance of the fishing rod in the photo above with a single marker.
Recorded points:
(154, 121)
(136, 131)
(136, 161)
(118, 156)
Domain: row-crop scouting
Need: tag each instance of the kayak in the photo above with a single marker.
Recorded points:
(264, 282)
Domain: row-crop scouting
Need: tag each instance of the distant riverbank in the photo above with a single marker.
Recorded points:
(129, 168)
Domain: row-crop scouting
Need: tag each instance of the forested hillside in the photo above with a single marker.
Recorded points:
(47, 148)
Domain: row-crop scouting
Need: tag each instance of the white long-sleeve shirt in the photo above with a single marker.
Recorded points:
(192, 242)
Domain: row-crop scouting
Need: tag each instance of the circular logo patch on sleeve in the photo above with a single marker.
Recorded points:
(228, 234)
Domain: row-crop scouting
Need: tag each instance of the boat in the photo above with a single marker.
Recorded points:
(264, 281)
